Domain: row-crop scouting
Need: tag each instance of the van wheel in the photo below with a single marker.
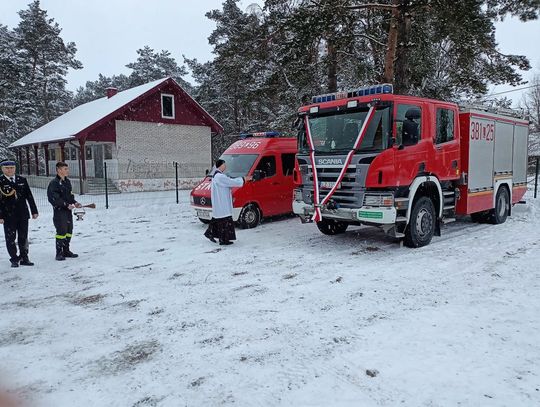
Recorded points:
(250, 216)
(332, 227)
(499, 214)
(205, 221)
(421, 226)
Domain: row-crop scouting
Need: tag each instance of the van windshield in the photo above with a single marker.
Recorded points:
(238, 165)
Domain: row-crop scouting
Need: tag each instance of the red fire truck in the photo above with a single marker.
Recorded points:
(406, 164)
(271, 159)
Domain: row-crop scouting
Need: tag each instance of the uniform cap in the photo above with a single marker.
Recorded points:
(7, 163)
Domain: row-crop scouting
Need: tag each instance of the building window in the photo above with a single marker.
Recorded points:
(73, 154)
(107, 151)
(52, 154)
(167, 106)
(88, 152)
(445, 126)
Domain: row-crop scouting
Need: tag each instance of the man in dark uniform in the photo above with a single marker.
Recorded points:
(15, 194)
(61, 198)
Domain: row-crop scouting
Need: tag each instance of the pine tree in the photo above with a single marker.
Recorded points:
(148, 67)
(46, 60)
(151, 66)
(97, 89)
(10, 78)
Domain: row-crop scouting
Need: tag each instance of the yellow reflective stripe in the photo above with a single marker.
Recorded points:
(61, 236)
(69, 235)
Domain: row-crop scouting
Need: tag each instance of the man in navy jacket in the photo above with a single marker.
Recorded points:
(15, 196)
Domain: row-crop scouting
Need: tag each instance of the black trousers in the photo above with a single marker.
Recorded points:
(222, 228)
(63, 222)
(16, 229)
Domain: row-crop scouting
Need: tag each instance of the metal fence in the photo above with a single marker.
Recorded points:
(131, 184)
(158, 184)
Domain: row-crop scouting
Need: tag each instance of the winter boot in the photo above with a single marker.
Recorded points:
(14, 262)
(60, 249)
(25, 261)
(67, 252)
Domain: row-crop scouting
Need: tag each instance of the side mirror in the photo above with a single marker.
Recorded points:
(258, 175)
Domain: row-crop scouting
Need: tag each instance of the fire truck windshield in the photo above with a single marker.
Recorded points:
(336, 132)
(238, 165)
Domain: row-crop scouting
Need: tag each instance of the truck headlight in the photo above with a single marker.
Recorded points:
(378, 200)
(191, 200)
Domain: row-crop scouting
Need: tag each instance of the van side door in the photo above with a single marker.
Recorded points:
(266, 190)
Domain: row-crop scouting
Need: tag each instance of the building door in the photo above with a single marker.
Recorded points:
(98, 161)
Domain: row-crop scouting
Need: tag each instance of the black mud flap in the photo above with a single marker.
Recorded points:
(437, 231)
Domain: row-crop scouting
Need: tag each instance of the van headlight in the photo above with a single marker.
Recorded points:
(191, 199)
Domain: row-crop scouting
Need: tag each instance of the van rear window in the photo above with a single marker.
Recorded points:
(238, 165)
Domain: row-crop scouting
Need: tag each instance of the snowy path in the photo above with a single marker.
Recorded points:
(153, 314)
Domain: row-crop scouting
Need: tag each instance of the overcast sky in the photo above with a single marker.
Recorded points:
(108, 32)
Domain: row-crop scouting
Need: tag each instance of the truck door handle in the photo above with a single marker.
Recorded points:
(275, 183)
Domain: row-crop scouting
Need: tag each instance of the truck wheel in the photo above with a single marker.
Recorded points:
(421, 225)
(249, 217)
(502, 207)
(205, 221)
(332, 227)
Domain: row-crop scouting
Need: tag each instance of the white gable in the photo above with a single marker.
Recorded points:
(69, 124)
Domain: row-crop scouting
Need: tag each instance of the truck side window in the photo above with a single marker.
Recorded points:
(268, 165)
(445, 126)
(287, 164)
(408, 125)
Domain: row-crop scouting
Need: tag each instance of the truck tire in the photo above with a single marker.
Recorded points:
(250, 216)
(332, 227)
(421, 225)
(499, 214)
(205, 221)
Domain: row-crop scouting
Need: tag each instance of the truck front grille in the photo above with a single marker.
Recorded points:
(346, 194)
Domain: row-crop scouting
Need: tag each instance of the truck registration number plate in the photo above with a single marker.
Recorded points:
(203, 214)
(329, 185)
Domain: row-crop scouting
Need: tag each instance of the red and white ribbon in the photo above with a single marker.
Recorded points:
(317, 216)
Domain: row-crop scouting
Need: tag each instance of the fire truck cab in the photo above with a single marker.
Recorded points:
(271, 160)
(406, 164)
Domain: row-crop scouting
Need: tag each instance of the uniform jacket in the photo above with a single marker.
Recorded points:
(221, 194)
(15, 198)
(59, 193)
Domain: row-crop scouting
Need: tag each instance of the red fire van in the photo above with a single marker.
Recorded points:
(273, 158)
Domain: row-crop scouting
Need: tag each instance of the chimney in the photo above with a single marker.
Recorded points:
(111, 92)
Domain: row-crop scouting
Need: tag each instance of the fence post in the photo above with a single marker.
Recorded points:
(536, 178)
(176, 170)
(106, 186)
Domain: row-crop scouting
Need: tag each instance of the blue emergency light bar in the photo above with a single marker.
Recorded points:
(267, 134)
(364, 91)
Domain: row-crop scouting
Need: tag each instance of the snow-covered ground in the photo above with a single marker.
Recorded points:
(153, 314)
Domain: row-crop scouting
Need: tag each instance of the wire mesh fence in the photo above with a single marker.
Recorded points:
(125, 184)
(135, 184)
